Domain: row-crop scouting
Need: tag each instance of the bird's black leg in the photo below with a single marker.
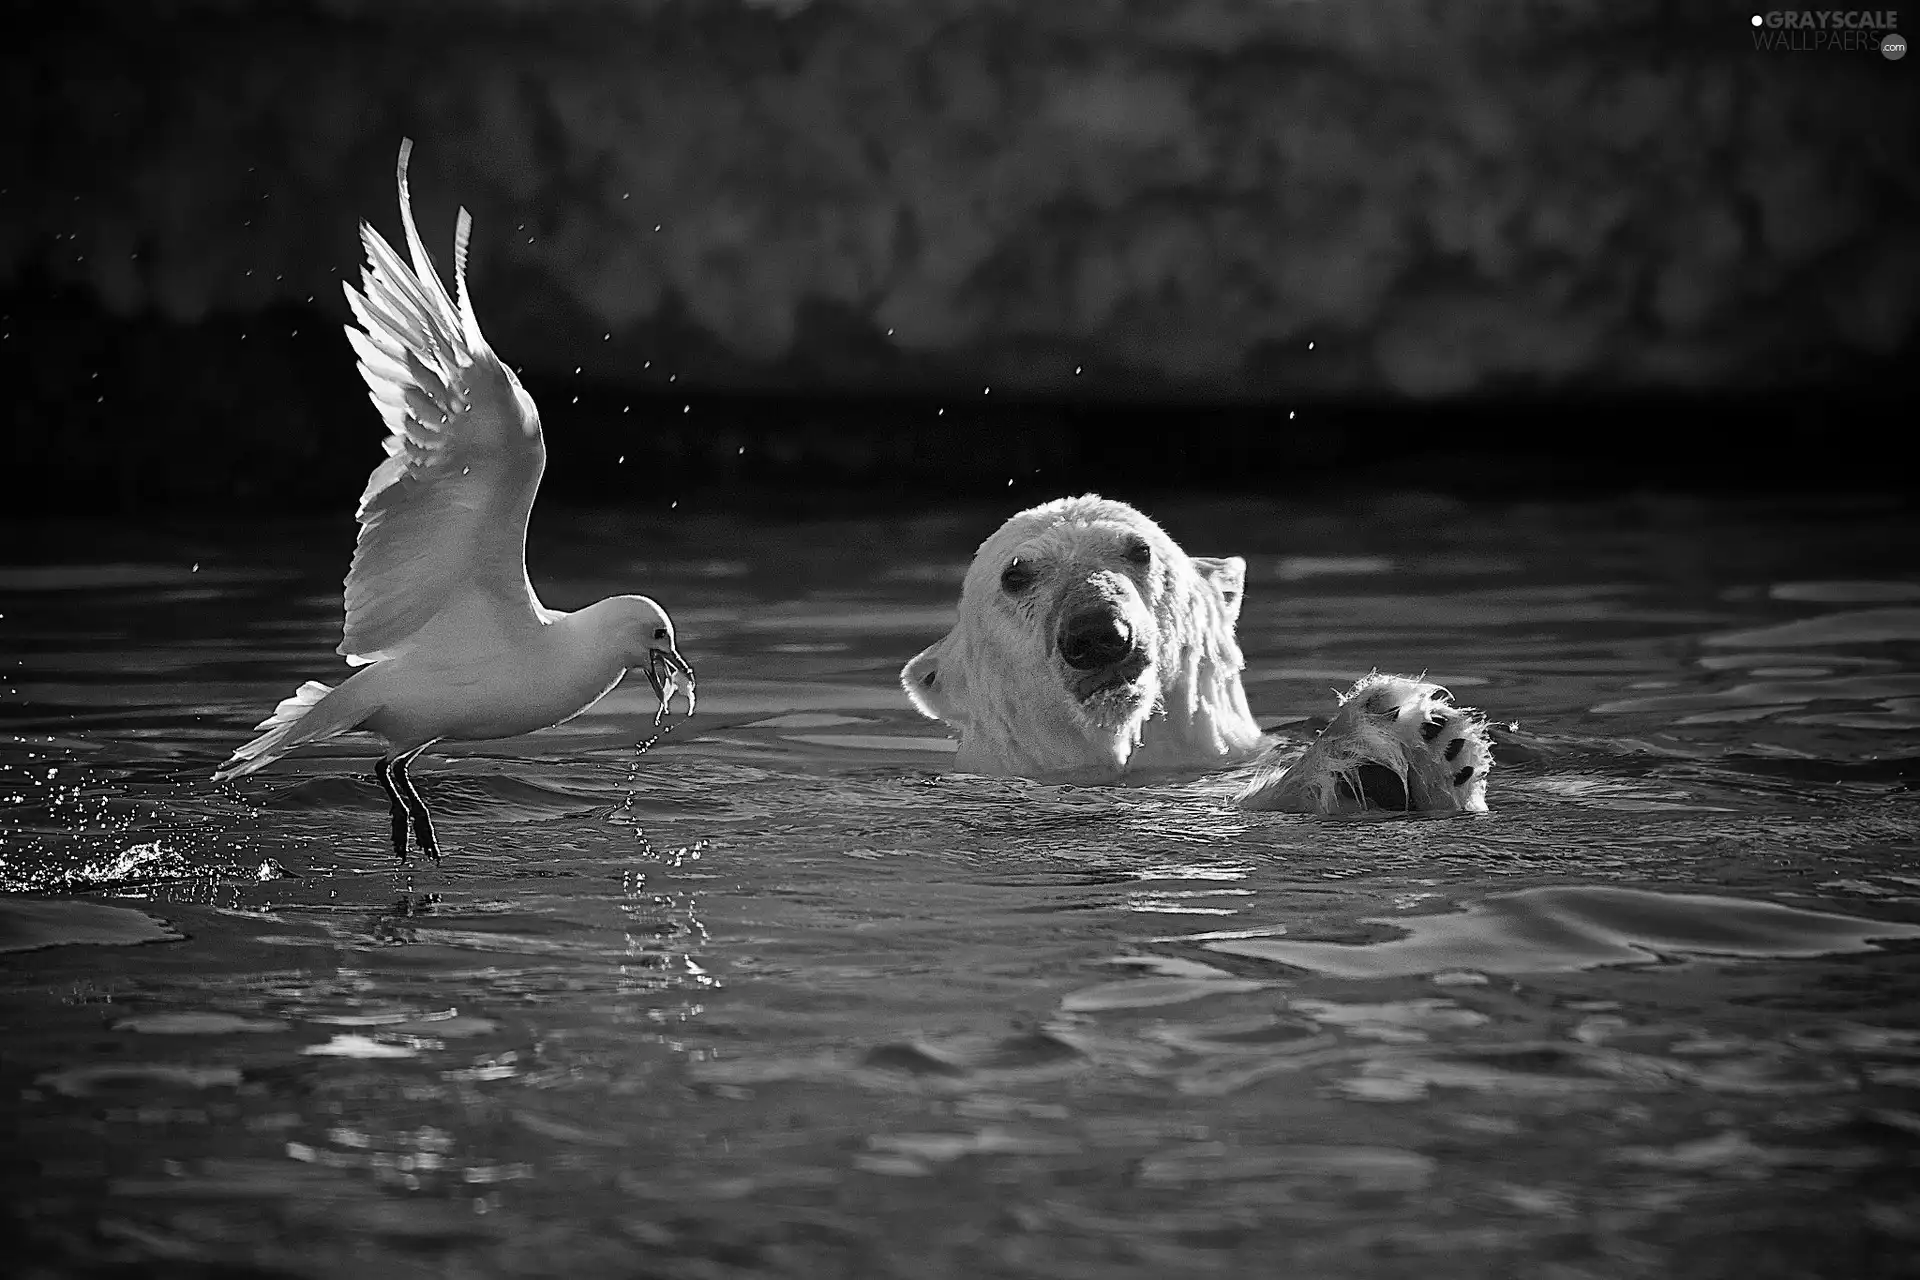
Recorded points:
(398, 806)
(422, 820)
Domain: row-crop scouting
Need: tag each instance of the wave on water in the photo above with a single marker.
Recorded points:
(1571, 927)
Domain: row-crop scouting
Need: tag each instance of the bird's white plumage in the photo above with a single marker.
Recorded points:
(443, 520)
(441, 617)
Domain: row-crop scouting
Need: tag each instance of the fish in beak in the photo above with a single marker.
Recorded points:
(665, 670)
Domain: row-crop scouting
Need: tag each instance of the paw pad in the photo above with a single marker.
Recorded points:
(1397, 744)
(1375, 786)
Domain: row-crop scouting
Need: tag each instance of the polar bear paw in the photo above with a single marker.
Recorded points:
(1396, 744)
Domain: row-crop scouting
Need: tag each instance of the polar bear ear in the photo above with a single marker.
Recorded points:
(1228, 576)
(935, 686)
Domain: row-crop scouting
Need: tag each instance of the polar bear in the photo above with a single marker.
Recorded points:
(1091, 649)
(1082, 623)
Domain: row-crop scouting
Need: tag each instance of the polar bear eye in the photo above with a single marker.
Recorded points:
(1138, 552)
(1017, 577)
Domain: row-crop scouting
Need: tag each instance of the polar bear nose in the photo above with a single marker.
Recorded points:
(1094, 639)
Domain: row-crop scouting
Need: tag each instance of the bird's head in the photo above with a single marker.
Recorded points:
(644, 636)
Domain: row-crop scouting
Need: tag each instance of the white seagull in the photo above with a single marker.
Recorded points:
(442, 620)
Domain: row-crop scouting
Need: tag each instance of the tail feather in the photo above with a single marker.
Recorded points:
(292, 723)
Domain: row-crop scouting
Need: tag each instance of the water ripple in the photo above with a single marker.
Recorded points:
(781, 995)
(1569, 928)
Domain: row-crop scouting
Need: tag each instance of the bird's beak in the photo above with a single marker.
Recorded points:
(665, 670)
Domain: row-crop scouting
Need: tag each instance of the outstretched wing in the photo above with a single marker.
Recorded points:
(444, 518)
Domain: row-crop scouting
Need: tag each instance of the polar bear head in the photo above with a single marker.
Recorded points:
(1089, 645)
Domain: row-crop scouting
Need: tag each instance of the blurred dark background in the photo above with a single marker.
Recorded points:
(876, 250)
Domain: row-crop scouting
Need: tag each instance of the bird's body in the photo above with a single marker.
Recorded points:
(441, 617)
(419, 698)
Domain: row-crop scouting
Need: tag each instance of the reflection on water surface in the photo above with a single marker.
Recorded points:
(781, 997)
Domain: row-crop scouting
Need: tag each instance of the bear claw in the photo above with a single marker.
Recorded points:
(1397, 744)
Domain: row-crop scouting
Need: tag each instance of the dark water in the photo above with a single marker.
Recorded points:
(778, 997)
